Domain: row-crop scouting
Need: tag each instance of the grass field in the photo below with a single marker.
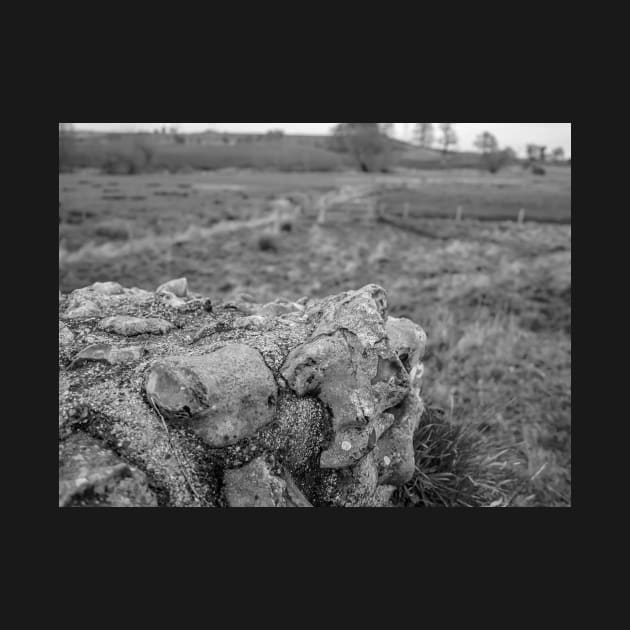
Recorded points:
(493, 295)
(283, 154)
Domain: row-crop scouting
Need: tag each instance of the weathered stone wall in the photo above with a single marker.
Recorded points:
(166, 399)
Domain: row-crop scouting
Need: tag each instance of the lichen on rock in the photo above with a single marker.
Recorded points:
(284, 404)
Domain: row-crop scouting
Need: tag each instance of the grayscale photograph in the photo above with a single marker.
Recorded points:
(328, 315)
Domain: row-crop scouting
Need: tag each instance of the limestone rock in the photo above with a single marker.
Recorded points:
(133, 326)
(311, 403)
(178, 287)
(224, 396)
(394, 453)
(354, 382)
(106, 353)
(407, 340)
(361, 312)
(352, 442)
(256, 485)
(65, 335)
(107, 288)
(251, 321)
(90, 475)
(173, 301)
(84, 310)
(277, 309)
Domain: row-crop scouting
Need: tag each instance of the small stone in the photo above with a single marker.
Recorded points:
(252, 321)
(107, 288)
(236, 305)
(173, 301)
(407, 340)
(132, 326)
(224, 396)
(105, 353)
(85, 310)
(277, 309)
(90, 475)
(255, 485)
(178, 287)
(140, 295)
(66, 336)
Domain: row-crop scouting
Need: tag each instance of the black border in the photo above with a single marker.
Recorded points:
(420, 539)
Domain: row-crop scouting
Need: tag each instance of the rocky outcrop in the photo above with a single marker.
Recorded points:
(239, 404)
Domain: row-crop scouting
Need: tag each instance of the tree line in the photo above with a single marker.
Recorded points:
(372, 146)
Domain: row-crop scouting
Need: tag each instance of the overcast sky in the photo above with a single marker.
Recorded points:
(516, 135)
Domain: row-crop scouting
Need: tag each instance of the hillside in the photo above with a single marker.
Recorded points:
(144, 152)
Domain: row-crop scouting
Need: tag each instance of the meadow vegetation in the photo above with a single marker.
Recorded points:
(493, 295)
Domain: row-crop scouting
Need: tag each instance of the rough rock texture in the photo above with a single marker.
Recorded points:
(224, 396)
(285, 404)
(256, 485)
(133, 326)
(91, 476)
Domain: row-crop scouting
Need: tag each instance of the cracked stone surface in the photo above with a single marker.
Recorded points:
(256, 485)
(283, 404)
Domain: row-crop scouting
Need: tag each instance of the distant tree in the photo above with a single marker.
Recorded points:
(492, 159)
(424, 134)
(557, 155)
(366, 142)
(487, 143)
(511, 154)
(449, 137)
(496, 160)
(536, 153)
(275, 134)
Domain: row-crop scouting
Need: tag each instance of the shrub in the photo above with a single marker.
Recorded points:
(494, 161)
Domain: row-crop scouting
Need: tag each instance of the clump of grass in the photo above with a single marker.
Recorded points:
(268, 243)
(457, 466)
(112, 230)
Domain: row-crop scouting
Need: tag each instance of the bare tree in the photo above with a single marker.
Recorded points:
(486, 142)
(536, 153)
(449, 137)
(424, 134)
(557, 154)
(366, 142)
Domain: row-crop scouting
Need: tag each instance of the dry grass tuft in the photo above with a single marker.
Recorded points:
(458, 466)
